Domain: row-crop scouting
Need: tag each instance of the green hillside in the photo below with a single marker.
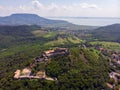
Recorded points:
(108, 33)
(82, 69)
(18, 35)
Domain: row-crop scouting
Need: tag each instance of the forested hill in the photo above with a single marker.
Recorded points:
(24, 34)
(30, 19)
(108, 33)
(83, 69)
(10, 35)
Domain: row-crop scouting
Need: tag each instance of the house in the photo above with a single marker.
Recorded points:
(116, 58)
(37, 59)
(114, 75)
(41, 74)
(17, 74)
(51, 53)
(56, 52)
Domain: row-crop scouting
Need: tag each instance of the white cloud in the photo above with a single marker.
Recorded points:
(53, 9)
(54, 6)
(86, 5)
(37, 4)
(70, 10)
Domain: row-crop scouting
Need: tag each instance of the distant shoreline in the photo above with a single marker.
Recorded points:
(87, 17)
(90, 21)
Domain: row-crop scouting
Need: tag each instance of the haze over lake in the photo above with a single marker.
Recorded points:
(93, 21)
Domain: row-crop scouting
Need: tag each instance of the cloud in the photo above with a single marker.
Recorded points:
(86, 5)
(53, 9)
(37, 4)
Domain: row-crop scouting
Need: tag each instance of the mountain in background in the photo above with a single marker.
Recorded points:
(30, 19)
(33, 19)
(108, 33)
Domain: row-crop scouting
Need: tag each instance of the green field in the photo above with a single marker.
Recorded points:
(63, 41)
(108, 45)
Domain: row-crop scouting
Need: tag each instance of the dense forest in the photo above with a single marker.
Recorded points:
(83, 69)
(108, 33)
(86, 68)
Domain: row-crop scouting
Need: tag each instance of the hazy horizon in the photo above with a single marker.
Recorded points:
(96, 21)
(65, 16)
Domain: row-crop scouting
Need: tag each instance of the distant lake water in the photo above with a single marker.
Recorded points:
(93, 21)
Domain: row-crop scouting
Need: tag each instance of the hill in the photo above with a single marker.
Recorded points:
(24, 34)
(83, 69)
(11, 35)
(30, 19)
(108, 33)
(33, 19)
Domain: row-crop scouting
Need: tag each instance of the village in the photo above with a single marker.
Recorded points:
(43, 58)
(115, 64)
(47, 55)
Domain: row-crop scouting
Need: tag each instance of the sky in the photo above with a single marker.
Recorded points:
(62, 8)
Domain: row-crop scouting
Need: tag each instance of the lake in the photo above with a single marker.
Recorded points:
(93, 21)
